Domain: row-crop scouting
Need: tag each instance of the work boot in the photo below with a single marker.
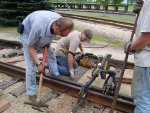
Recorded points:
(32, 98)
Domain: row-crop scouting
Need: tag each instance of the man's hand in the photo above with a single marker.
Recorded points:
(46, 46)
(72, 74)
(127, 48)
(40, 68)
(138, 6)
(82, 52)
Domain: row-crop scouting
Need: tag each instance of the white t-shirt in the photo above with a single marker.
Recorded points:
(142, 56)
(67, 44)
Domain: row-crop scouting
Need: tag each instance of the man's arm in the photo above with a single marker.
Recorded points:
(33, 54)
(81, 49)
(141, 42)
(70, 60)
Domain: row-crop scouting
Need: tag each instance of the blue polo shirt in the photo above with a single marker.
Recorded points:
(37, 27)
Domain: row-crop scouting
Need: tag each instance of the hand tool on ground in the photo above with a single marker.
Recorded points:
(101, 69)
(122, 71)
(38, 102)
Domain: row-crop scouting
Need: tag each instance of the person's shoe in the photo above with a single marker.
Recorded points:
(32, 98)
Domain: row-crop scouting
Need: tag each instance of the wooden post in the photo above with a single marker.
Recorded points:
(4, 104)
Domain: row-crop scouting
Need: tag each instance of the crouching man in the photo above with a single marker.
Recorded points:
(66, 48)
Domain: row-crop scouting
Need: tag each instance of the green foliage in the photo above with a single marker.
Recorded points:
(11, 12)
(131, 7)
(100, 38)
(117, 2)
(8, 22)
(132, 1)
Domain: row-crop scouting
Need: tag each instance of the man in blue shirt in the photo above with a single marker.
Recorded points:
(40, 27)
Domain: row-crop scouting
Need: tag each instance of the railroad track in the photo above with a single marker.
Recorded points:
(10, 44)
(129, 13)
(95, 94)
(100, 21)
(4, 44)
(124, 103)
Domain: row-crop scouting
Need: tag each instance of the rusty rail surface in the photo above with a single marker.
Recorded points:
(124, 103)
(125, 80)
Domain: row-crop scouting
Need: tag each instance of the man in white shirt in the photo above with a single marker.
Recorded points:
(141, 77)
(66, 48)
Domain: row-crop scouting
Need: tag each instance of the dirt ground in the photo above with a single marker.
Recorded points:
(64, 103)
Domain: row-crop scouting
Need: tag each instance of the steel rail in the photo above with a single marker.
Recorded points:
(124, 103)
(125, 23)
(98, 20)
(125, 80)
(97, 11)
(7, 43)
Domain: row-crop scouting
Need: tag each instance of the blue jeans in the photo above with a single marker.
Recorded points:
(140, 89)
(62, 64)
(31, 66)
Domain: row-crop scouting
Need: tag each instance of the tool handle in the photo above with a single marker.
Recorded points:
(44, 56)
(41, 74)
(122, 71)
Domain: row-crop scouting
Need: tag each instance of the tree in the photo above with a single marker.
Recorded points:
(116, 2)
(11, 12)
(132, 1)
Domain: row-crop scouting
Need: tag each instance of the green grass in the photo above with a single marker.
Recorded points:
(100, 38)
(121, 18)
(130, 8)
(7, 28)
